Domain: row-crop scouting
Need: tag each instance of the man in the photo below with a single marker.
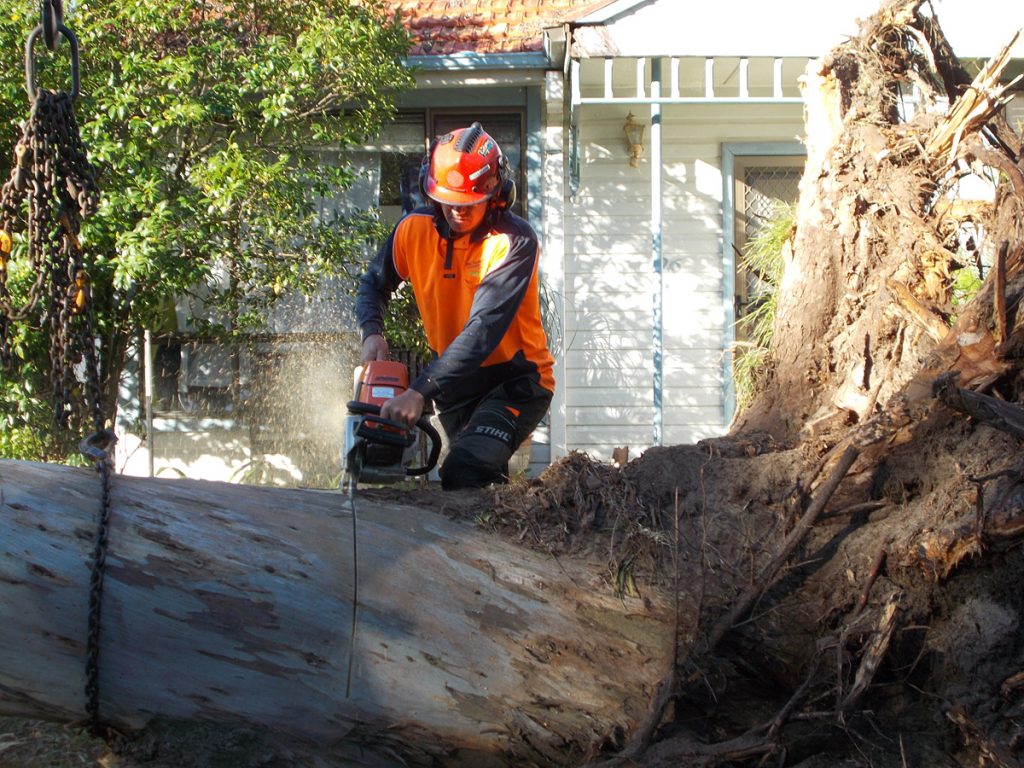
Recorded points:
(472, 265)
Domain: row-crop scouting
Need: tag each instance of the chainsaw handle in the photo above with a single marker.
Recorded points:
(394, 432)
(372, 411)
(435, 447)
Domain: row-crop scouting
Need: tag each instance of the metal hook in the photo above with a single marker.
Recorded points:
(30, 62)
(98, 445)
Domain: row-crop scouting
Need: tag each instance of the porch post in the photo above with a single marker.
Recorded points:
(656, 251)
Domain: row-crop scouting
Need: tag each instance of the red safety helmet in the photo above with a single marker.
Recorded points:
(465, 167)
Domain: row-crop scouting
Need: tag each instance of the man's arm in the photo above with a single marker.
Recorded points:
(376, 285)
(375, 288)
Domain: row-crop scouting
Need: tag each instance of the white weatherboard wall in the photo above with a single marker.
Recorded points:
(610, 279)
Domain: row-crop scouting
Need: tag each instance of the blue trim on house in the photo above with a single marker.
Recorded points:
(657, 256)
(462, 62)
(534, 159)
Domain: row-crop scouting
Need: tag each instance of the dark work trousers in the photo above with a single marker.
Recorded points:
(483, 434)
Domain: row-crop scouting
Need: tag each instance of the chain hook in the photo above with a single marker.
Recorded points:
(30, 61)
(97, 446)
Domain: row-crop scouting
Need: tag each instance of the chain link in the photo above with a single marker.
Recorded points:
(97, 447)
(51, 22)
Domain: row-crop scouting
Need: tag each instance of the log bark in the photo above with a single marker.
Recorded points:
(231, 603)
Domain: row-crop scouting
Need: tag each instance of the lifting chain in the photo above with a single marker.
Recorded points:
(51, 177)
(98, 448)
(51, 187)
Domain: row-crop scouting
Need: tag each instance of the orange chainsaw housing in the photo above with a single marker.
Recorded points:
(374, 447)
(380, 380)
(375, 383)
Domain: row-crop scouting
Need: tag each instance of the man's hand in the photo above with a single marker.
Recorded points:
(406, 408)
(374, 348)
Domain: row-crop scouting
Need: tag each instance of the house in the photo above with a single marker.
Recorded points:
(650, 138)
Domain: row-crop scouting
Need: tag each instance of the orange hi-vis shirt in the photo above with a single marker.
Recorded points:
(477, 294)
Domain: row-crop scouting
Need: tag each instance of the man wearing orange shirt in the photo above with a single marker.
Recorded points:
(472, 265)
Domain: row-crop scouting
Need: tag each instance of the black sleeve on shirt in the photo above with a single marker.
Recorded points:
(376, 285)
(495, 303)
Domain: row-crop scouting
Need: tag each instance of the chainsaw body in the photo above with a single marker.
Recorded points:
(378, 450)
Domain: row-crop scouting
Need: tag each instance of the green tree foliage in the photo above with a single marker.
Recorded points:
(205, 122)
(403, 327)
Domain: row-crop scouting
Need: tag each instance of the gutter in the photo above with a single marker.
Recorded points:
(473, 62)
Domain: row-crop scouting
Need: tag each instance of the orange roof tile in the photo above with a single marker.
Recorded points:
(442, 27)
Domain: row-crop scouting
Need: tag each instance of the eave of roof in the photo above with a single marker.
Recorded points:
(607, 12)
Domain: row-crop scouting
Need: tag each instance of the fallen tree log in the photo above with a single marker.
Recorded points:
(233, 604)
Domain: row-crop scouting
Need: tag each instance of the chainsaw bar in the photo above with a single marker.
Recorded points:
(353, 467)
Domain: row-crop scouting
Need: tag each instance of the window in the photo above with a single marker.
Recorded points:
(761, 183)
(401, 148)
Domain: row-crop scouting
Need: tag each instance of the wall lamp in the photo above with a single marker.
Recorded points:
(634, 131)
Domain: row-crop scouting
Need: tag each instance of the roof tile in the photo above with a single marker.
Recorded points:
(442, 27)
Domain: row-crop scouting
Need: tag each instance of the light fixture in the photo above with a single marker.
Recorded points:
(634, 131)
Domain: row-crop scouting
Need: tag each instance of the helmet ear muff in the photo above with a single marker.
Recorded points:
(425, 169)
(505, 197)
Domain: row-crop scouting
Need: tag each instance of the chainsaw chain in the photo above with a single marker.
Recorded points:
(353, 468)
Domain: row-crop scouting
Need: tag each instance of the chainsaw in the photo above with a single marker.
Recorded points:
(379, 450)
